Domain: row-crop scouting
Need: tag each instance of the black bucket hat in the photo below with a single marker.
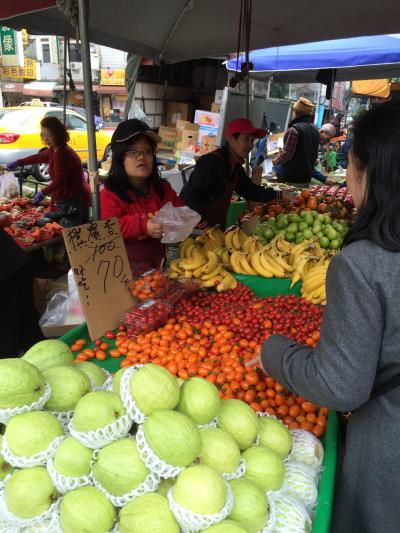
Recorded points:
(131, 128)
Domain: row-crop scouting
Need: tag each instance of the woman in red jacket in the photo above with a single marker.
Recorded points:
(70, 196)
(134, 192)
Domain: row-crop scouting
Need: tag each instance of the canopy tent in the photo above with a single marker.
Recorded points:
(178, 30)
(358, 58)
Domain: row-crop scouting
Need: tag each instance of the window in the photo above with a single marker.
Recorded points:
(74, 53)
(76, 123)
(46, 53)
(57, 114)
(14, 119)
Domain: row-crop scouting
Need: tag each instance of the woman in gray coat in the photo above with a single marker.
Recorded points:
(359, 350)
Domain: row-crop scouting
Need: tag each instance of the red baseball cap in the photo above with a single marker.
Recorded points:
(245, 126)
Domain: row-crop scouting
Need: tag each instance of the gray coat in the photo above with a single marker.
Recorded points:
(359, 348)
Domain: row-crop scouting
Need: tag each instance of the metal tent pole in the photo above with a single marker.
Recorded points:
(87, 83)
(65, 81)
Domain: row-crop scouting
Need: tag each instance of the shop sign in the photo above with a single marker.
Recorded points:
(102, 273)
(112, 77)
(11, 47)
(28, 71)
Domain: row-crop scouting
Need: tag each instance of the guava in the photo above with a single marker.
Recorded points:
(93, 371)
(239, 419)
(300, 481)
(250, 505)
(50, 352)
(32, 432)
(20, 383)
(117, 380)
(290, 514)
(199, 399)
(274, 435)
(149, 513)
(72, 459)
(219, 450)
(118, 467)
(30, 492)
(153, 388)
(200, 489)
(86, 510)
(165, 485)
(173, 437)
(68, 385)
(264, 468)
(96, 410)
(226, 526)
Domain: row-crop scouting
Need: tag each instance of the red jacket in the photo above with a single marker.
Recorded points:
(66, 173)
(133, 219)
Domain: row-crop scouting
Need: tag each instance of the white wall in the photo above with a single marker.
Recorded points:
(112, 58)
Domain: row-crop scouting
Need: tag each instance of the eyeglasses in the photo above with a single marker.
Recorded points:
(148, 152)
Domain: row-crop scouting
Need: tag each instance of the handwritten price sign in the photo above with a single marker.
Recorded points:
(102, 273)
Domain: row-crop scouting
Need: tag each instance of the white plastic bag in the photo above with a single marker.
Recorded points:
(9, 186)
(178, 222)
(56, 310)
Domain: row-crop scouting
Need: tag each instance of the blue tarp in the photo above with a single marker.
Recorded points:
(374, 57)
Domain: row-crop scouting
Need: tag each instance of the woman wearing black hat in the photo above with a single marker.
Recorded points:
(134, 192)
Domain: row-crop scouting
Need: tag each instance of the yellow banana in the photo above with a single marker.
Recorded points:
(258, 267)
(174, 275)
(228, 239)
(212, 262)
(212, 274)
(273, 266)
(194, 262)
(225, 258)
(236, 241)
(206, 284)
(216, 236)
(265, 264)
(248, 269)
(188, 274)
(235, 263)
(247, 243)
(184, 245)
(227, 282)
(298, 273)
(175, 266)
(278, 258)
(242, 236)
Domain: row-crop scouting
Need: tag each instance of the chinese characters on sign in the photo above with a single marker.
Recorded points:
(112, 77)
(102, 273)
(8, 43)
(11, 47)
(28, 71)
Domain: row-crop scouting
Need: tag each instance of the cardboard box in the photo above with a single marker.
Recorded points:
(177, 111)
(275, 142)
(189, 140)
(169, 138)
(208, 144)
(206, 118)
(215, 108)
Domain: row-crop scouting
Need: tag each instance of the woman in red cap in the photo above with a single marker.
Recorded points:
(220, 173)
(134, 192)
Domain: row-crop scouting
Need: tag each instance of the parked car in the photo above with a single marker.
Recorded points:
(20, 135)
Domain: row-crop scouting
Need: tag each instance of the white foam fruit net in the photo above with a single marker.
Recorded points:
(107, 385)
(64, 417)
(20, 461)
(306, 448)
(126, 396)
(287, 514)
(151, 460)
(103, 436)
(300, 481)
(17, 524)
(6, 414)
(269, 526)
(191, 522)
(63, 483)
(212, 424)
(150, 484)
(239, 472)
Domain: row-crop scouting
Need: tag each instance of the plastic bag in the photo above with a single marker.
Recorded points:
(75, 307)
(138, 114)
(9, 186)
(147, 316)
(56, 310)
(178, 222)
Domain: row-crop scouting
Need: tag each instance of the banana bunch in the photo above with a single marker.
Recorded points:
(235, 239)
(313, 287)
(196, 261)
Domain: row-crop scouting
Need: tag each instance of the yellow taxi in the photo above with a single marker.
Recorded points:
(20, 135)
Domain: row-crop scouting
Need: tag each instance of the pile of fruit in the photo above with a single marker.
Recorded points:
(144, 453)
(210, 256)
(335, 201)
(25, 223)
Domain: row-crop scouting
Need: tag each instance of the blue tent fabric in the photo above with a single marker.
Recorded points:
(351, 54)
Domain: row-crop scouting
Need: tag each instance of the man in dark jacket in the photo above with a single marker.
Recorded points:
(220, 173)
(295, 162)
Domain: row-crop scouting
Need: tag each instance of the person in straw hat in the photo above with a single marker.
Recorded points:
(295, 161)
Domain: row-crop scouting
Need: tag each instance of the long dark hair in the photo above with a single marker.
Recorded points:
(118, 180)
(376, 150)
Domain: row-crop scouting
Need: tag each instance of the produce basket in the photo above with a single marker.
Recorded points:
(266, 288)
